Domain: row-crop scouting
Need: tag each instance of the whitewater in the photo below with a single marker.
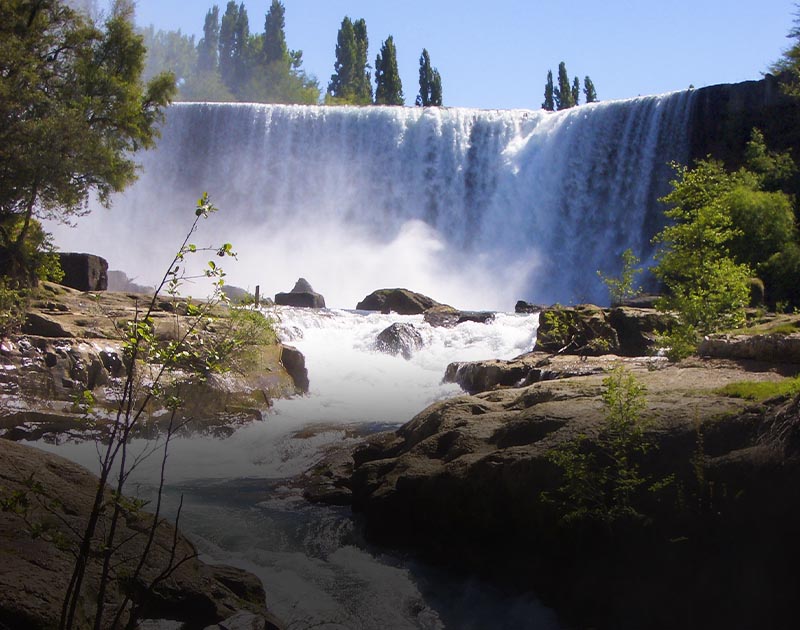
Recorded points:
(477, 208)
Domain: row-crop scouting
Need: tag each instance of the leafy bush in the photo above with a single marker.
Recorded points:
(623, 287)
(601, 476)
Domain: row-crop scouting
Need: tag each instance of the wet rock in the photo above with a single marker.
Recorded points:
(294, 363)
(42, 325)
(527, 307)
(401, 301)
(399, 339)
(448, 317)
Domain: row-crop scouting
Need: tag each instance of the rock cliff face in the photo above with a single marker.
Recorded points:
(723, 116)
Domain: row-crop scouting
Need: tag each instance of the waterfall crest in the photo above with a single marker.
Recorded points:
(474, 207)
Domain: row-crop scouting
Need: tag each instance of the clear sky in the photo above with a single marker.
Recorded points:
(496, 53)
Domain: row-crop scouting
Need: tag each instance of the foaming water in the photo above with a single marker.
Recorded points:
(241, 508)
(477, 208)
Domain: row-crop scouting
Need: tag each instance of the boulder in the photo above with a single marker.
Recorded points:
(85, 272)
(119, 281)
(301, 295)
(401, 301)
(399, 339)
(583, 330)
(638, 329)
(527, 307)
(36, 569)
(294, 363)
(448, 317)
(772, 348)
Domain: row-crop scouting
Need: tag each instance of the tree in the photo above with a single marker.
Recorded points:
(549, 102)
(208, 46)
(563, 93)
(705, 285)
(430, 83)
(350, 82)
(274, 48)
(789, 65)
(388, 87)
(589, 92)
(576, 91)
(169, 51)
(233, 38)
(73, 110)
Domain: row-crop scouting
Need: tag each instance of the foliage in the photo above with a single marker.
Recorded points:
(601, 476)
(208, 46)
(589, 91)
(774, 170)
(388, 86)
(169, 51)
(789, 64)
(430, 83)
(761, 390)
(623, 287)
(142, 348)
(73, 112)
(563, 93)
(705, 285)
(576, 91)
(350, 83)
(549, 103)
(13, 303)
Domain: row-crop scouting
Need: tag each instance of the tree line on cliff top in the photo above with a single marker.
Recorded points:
(231, 63)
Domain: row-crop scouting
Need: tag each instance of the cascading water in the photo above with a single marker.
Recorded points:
(476, 208)
(240, 509)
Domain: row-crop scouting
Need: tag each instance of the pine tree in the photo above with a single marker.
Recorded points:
(563, 93)
(207, 47)
(436, 89)
(576, 91)
(363, 79)
(549, 102)
(588, 90)
(430, 83)
(240, 42)
(351, 82)
(274, 45)
(388, 87)
(227, 42)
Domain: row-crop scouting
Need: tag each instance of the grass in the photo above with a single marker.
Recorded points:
(761, 390)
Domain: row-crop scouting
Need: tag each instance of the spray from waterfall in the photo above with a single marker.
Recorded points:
(475, 208)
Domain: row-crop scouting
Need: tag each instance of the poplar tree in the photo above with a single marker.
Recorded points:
(576, 91)
(388, 87)
(430, 83)
(588, 90)
(351, 83)
(274, 46)
(207, 47)
(563, 93)
(549, 102)
(227, 35)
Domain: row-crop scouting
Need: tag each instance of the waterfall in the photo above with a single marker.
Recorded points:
(477, 208)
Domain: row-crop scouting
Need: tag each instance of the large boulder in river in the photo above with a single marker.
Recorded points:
(447, 317)
(85, 272)
(399, 338)
(301, 295)
(400, 301)
(638, 329)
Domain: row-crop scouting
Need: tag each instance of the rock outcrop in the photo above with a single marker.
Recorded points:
(448, 317)
(766, 348)
(301, 295)
(467, 481)
(53, 496)
(399, 339)
(583, 329)
(84, 272)
(400, 301)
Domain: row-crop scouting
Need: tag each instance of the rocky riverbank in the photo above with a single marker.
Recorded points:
(63, 373)
(710, 541)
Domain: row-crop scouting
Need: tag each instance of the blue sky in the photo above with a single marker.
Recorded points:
(496, 53)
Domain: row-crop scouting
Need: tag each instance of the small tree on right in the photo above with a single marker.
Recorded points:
(589, 92)
(430, 83)
(388, 87)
